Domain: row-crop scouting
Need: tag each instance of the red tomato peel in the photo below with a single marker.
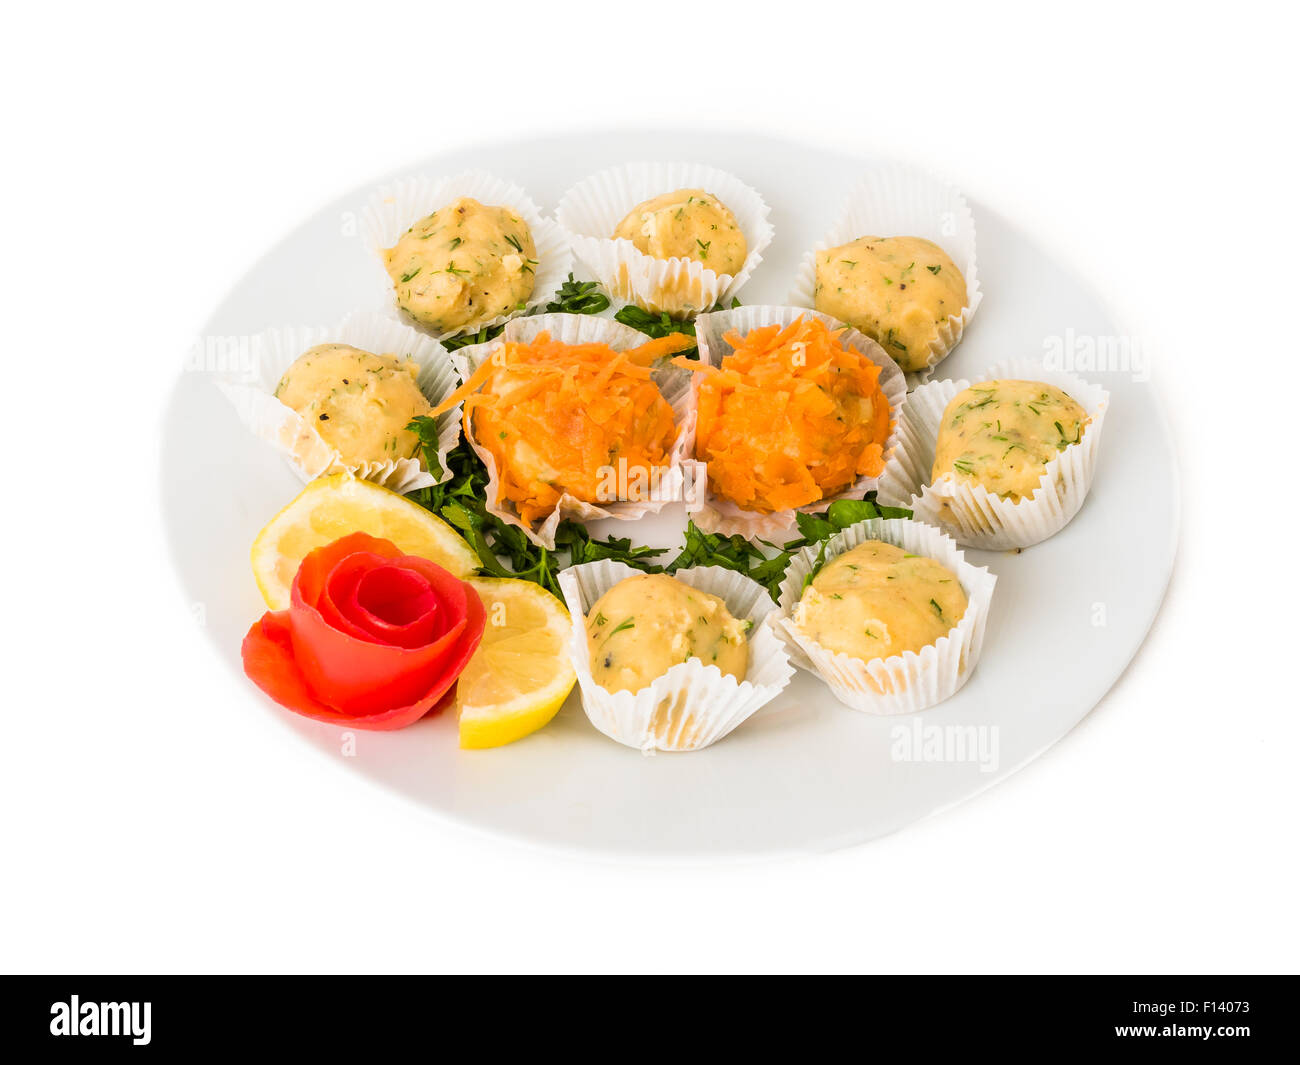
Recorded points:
(373, 639)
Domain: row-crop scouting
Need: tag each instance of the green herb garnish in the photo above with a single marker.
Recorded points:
(656, 325)
(578, 297)
(661, 325)
(426, 429)
(503, 549)
(466, 339)
(768, 567)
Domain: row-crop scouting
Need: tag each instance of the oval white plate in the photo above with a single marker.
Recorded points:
(806, 773)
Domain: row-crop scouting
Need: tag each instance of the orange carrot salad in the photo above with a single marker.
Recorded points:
(553, 415)
(791, 417)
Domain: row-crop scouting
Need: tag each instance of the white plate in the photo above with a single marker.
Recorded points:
(806, 773)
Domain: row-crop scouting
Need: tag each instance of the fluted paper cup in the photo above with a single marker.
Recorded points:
(591, 211)
(969, 512)
(714, 514)
(693, 704)
(896, 200)
(253, 395)
(395, 208)
(900, 684)
(674, 385)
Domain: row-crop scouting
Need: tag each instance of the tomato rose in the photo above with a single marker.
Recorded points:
(372, 638)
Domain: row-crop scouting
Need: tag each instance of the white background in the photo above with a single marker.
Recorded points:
(152, 154)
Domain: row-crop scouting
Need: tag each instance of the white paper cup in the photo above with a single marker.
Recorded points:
(900, 684)
(693, 704)
(896, 200)
(674, 384)
(253, 395)
(969, 512)
(393, 209)
(591, 211)
(717, 515)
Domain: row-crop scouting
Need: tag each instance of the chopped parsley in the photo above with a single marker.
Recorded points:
(661, 325)
(426, 430)
(578, 297)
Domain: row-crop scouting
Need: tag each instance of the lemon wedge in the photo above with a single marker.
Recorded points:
(521, 673)
(331, 507)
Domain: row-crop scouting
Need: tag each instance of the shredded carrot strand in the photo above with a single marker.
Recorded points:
(659, 347)
(471, 384)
